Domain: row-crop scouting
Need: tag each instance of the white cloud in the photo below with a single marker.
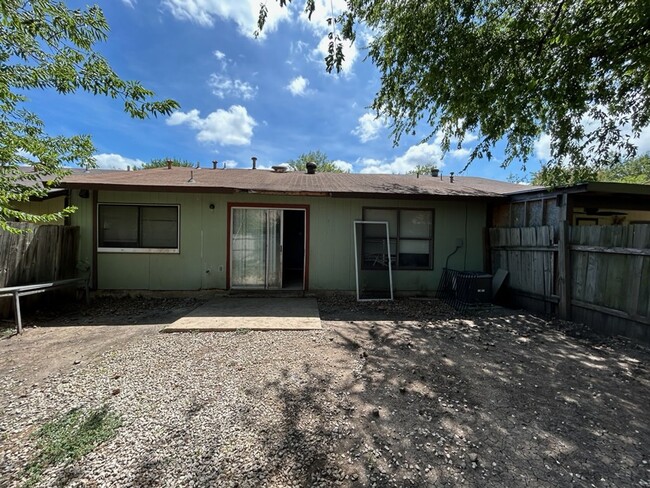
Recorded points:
(225, 127)
(419, 154)
(343, 165)
(129, 3)
(370, 161)
(298, 86)
(322, 12)
(115, 161)
(460, 153)
(223, 86)
(243, 12)
(220, 55)
(369, 127)
(229, 163)
(467, 138)
(543, 147)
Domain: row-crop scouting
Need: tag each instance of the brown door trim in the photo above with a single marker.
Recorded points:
(288, 206)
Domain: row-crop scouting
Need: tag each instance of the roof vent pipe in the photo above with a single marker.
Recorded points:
(214, 164)
(191, 180)
(451, 177)
(434, 172)
(311, 167)
(254, 162)
(169, 164)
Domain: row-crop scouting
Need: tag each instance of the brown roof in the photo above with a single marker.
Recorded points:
(290, 183)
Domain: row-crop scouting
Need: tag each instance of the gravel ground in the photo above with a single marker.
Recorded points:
(400, 394)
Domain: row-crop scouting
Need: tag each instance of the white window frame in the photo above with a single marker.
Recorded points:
(141, 250)
(356, 260)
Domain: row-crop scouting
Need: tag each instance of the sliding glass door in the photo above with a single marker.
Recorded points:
(256, 250)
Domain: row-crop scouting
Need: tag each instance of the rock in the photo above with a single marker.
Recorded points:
(115, 391)
(375, 412)
(473, 457)
(76, 361)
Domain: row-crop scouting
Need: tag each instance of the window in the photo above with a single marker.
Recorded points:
(411, 238)
(138, 228)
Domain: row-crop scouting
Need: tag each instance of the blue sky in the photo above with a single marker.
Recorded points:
(241, 97)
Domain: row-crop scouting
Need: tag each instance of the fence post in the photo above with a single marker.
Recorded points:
(19, 319)
(564, 272)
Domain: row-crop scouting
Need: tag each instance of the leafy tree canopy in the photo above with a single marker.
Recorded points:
(423, 169)
(46, 45)
(635, 170)
(324, 164)
(508, 69)
(162, 163)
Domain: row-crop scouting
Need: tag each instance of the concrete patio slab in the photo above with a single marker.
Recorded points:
(260, 313)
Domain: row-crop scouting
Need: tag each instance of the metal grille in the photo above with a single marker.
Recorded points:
(459, 288)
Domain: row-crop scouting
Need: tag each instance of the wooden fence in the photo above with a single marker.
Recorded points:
(599, 275)
(40, 253)
(530, 257)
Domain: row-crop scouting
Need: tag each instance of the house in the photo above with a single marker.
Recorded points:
(594, 203)
(191, 229)
(54, 200)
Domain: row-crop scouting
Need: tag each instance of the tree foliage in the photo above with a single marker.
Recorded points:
(423, 169)
(324, 164)
(635, 170)
(509, 69)
(46, 45)
(162, 163)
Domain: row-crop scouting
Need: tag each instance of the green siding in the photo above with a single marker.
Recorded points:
(201, 263)
(48, 206)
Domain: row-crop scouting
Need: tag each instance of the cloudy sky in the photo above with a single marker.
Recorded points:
(241, 97)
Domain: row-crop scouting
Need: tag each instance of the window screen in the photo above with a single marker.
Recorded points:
(138, 227)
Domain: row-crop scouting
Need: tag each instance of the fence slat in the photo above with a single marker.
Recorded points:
(40, 253)
(609, 275)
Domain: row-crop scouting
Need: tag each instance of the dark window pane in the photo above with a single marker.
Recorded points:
(118, 226)
(137, 227)
(380, 215)
(159, 227)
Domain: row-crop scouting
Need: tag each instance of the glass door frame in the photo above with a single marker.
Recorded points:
(265, 206)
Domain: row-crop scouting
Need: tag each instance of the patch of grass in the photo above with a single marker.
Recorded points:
(6, 331)
(70, 437)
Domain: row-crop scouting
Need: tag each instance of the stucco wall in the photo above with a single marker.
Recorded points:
(201, 263)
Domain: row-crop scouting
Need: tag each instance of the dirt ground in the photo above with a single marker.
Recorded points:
(494, 398)
(59, 337)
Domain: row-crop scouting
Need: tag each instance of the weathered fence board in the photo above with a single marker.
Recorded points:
(617, 260)
(528, 253)
(40, 253)
(606, 270)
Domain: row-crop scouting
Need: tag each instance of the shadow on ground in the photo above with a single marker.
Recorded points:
(504, 399)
